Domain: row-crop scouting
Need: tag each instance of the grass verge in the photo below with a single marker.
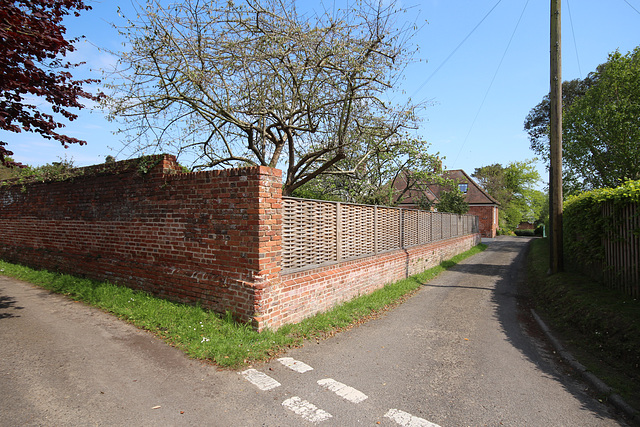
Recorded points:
(203, 334)
(598, 325)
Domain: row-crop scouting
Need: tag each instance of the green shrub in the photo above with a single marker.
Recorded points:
(584, 223)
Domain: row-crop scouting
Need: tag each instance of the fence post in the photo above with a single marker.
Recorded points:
(451, 216)
(375, 229)
(338, 232)
(430, 238)
(401, 228)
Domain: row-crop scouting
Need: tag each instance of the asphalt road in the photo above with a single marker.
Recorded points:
(455, 354)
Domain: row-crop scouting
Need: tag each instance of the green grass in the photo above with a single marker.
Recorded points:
(600, 326)
(203, 334)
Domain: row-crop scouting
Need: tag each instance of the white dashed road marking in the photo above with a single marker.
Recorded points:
(348, 393)
(295, 365)
(306, 410)
(311, 412)
(259, 379)
(407, 420)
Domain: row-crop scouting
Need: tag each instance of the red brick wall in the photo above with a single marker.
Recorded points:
(488, 219)
(303, 294)
(188, 237)
(209, 237)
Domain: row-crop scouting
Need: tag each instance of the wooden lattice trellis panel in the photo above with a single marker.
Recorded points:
(436, 227)
(357, 230)
(446, 226)
(388, 226)
(309, 233)
(410, 227)
(424, 227)
(318, 232)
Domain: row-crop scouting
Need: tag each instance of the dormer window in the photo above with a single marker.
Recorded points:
(463, 187)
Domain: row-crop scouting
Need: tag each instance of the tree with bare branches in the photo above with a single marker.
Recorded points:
(380, 174)
(260, 82)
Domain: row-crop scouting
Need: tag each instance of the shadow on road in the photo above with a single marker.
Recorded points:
(8, 307)
(513, 312)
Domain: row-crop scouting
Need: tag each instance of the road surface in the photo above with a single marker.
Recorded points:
(455, 354)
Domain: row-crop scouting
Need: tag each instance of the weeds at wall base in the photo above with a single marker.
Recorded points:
(218, 338)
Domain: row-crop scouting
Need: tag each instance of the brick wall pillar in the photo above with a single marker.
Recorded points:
(264, 203)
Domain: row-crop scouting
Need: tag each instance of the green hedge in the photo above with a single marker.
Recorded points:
(584, 224)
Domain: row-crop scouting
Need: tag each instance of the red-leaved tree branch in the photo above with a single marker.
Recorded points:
(32, 65)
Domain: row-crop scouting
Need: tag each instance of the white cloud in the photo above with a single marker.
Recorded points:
(95, 58)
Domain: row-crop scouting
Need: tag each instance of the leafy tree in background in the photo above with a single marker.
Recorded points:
(257, 82)
(514, 188)
(453, 201)
(537, 122)
(601, 126)
(493, 179)
(537, 126)
(377, 173)
(32, 47)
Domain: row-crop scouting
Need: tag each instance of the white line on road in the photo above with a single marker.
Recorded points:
(306, 410)
(344, 391)
(295, 365)
(259, 379)
(407, 420)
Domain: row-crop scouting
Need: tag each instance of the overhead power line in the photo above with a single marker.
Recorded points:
(573, 33)
(455, 50)
(492, 80)
(631, 6)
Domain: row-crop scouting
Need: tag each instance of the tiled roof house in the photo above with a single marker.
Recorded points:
(480, 202)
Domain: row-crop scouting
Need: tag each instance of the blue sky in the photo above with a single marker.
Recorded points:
(479, 96)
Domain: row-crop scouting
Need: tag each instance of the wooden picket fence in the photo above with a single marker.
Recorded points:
(621, 269)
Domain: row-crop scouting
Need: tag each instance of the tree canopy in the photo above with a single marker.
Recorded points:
(259, 82)
(537, 122)
(514, 188)
(601, 125)
(453, 201)
(32, 48)
(377, 173)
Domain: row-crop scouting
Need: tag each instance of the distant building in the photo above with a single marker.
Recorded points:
(480, 202)
(526, 226)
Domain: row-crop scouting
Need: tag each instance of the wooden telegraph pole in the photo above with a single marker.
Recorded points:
(555, 139)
